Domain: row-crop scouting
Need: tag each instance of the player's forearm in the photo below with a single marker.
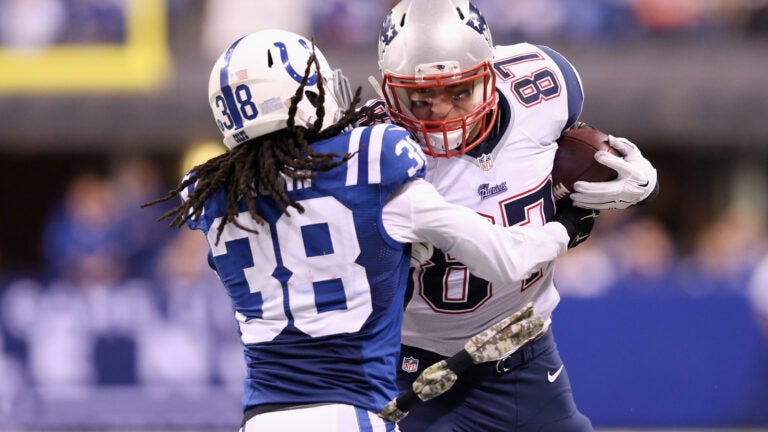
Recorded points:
(509, 255)
(497, 254)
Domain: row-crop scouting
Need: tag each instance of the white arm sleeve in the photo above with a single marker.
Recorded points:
(418, 213)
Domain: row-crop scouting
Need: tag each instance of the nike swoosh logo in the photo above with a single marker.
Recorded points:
(551, 377)
(580, 238)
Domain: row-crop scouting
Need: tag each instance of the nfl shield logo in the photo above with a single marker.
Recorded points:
(410, 364)
(486, 162)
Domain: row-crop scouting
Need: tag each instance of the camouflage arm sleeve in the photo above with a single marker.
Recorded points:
(502, 338)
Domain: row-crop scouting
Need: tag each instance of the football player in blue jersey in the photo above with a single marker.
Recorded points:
(488, 118)
(309, 223)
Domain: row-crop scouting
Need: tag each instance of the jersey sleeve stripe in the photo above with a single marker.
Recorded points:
(353, 164)
(572, 84)
(374, 153)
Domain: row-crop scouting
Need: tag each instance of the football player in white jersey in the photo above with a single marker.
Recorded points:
(488, 118)
(309, 226)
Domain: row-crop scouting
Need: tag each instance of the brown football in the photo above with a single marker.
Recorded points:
(575, 160)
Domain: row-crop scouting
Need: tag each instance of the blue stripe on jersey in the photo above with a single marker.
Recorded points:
(572, 84)
(226, 90)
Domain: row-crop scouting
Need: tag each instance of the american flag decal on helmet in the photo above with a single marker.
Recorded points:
(241, 75)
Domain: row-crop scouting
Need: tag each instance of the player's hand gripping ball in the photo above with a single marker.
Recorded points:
(575, 159)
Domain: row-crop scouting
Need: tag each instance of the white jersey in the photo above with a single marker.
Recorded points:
(506, 180)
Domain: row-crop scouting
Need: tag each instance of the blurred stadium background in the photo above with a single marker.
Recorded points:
(111, 321)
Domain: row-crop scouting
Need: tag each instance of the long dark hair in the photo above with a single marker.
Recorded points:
(257, 165)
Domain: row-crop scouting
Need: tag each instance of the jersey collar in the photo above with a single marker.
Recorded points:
(498, 129)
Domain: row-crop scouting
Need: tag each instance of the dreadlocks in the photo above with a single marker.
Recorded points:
(259, 164)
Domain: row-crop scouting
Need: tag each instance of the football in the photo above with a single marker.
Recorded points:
(575, 160)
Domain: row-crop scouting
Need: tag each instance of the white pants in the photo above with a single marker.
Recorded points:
(321, 418)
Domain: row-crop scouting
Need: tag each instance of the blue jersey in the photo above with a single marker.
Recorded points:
(318, 295)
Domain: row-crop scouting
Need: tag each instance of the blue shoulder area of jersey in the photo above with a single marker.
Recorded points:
(184, 196)
(383, 155)
(572, 84)
(401, 158)
(215, 206)
(205, 221)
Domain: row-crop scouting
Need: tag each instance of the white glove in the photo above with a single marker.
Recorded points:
(635, 182)
(420, 253)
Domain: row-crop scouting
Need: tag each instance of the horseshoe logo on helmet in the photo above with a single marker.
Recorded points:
(289, 68)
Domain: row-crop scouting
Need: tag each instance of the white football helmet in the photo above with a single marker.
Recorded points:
(253, 81)
(433, 43)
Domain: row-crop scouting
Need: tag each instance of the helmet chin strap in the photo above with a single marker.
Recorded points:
(376, 86)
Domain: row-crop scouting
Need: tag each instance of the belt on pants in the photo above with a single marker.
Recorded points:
(519, 357)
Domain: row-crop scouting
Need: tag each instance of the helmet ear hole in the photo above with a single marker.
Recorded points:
(312, 97)
(270, 61)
